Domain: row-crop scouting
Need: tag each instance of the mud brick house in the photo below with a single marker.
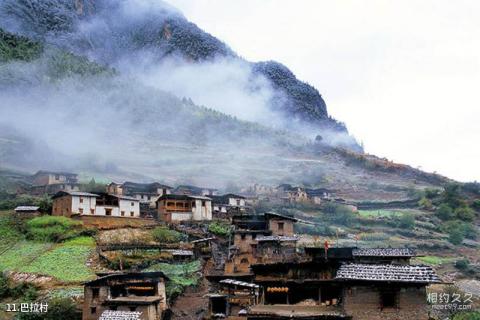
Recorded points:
(174, 208)
(49, 182)
(232, 299)
(228, 203)
(89, 204)
(260, 237)
(290, 194)
(121, 294)
(73, 203)
(146, 193)
(195, 191)
(333, 284)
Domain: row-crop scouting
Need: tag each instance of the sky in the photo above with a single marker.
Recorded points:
(403, 75)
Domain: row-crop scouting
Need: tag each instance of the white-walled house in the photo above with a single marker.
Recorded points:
(228, 201)
(89, 204)
(176, 208)
(70, 203)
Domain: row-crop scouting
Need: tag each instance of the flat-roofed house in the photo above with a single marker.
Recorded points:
(73, 202)
(136, 295)
(177, 208)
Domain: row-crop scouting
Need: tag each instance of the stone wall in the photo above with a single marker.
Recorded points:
(363, 303)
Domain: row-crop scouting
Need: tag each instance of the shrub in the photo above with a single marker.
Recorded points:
(425, 203)
(462, 264)
(444, 212)
(219, 229)
(407, 221)
(165, 235)
(476, 204)
(455, 236)
(465, 214)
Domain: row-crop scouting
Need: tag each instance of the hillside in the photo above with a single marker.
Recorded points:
(93, 29)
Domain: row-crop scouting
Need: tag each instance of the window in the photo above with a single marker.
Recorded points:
(132, 213)
(92, 211)
(108, 212)
(280, 226)
(122, 213)
(132, 204)
(243, 236)
(203, 203)
(244, 261)
(95, 293)
(170, 204)
(388, 299)
(93, 310)
(81, 200)
(80, 210)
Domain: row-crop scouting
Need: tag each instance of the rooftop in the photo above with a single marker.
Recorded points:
(126, 276)
(237, 283)
(388, 273)
(276, 238)
(277, 215)
(120, 315)
(384, 252)
(296, 311)
(75, 194)
(26, 208)
(181, 197)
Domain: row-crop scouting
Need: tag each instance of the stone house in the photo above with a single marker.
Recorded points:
(177, 208)
(334, 284)
(141, 293)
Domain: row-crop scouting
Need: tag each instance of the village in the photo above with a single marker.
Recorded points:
(254, 263)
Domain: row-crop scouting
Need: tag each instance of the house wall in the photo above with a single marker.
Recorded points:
(236, 202)
(363, 303)
(83, 205)
(202, 212)
(273, 225)
(129, 207)
(180, 216)
(62, 206)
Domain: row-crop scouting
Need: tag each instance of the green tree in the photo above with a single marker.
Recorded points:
(465, 214)
(444, 212)
(456, 236)
(425, 203)
(407, 221)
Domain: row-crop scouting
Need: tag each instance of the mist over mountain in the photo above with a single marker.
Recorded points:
(132, 89)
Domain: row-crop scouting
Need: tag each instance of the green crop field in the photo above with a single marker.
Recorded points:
(65, 261)
(435, 260)
(379, 213)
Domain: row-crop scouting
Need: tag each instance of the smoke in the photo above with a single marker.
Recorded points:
(134, 119)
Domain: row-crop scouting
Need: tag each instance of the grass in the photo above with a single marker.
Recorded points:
(379, 213)
(21, 254)
(435, 260)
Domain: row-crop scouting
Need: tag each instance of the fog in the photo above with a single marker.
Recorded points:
(143, 117)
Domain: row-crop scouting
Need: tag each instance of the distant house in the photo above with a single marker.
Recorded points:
(146, 193)
(27, 211)
(89, 204)
(176, 208)
(126, 296)
(49, 182)
(316, 196)
(195, 191)
(73, 203)
(289, 194)
(228, 202)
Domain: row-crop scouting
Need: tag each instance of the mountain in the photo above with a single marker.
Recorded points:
(117, 90)
(111, 32)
